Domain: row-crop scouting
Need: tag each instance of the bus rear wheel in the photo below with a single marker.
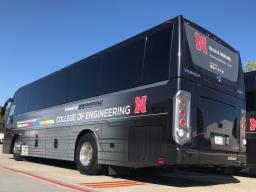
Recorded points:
(17, 150)
(86, 157)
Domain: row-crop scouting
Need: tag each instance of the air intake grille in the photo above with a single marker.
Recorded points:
(144, 143)
(200, 120)
(235, 131)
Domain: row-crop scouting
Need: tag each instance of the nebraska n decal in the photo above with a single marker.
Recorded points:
(252, 124)
(201, 43)
(140, 104)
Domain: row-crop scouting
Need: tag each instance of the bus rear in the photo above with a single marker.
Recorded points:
(209, 103)
(250, 90)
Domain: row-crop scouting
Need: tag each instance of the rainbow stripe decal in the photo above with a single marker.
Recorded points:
(46, 122)
(34, 123)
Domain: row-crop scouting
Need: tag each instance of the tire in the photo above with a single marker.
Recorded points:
(17, 150)
(86, 157)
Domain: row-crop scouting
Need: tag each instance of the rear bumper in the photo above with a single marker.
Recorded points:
(198, 157)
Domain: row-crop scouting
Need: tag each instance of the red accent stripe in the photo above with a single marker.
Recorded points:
(46, 179)
(30, 124)
(107, 182)
(109, 186)
(112, 184)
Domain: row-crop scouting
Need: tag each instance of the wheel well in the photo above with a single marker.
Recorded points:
(13, 141)
(82, 133)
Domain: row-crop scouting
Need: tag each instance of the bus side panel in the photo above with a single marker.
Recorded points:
(41, 142)
(131, 139)
(36, 143)
(133, 143)
(56, 143)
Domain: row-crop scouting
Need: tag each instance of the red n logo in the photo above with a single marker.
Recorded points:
(252, 124)
(201, 43)
(140, 104)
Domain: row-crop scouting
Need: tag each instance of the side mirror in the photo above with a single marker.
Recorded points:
(3, 109)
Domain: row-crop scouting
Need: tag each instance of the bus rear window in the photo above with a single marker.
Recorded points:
(212, 56)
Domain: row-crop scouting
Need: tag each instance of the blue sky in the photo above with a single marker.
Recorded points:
(40, 37)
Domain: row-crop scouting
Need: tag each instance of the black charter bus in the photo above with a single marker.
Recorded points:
(250, 121)
(170, 96)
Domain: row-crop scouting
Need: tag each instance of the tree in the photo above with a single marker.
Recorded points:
(250, 66)
(1, 120)
(4, 118)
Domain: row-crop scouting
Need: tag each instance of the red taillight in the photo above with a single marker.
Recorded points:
(243, 133)
(182, 112)
(243, 125)
(182, 122)
(182, 103)
(160, 161)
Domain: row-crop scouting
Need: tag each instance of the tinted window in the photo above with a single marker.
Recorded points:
(156, 66)
(21, 99)
(251, 101)
(122, 67)
(84, 78)
(38, 95)
(212, 56)
(57, 86)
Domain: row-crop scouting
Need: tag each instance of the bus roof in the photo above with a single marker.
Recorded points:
(147, 32)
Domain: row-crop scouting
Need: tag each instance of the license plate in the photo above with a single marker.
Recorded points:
(219, 140)
(232, 158)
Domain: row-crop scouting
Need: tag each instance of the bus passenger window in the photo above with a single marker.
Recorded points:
(158, 47)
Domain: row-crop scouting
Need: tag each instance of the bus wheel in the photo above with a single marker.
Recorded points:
(17, 150)
(87, 155)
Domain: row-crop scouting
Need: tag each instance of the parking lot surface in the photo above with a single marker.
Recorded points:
(54, 176)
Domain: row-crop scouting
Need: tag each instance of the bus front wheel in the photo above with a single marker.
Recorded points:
(17, 150)
(86, 157)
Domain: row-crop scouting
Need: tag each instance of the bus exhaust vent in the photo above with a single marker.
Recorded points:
(144, 143)
(200, 120)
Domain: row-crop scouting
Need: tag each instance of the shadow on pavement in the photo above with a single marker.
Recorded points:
(179, 178)
(52, 162)
(247, 173)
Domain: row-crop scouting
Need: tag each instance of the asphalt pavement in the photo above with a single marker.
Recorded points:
(36, 175)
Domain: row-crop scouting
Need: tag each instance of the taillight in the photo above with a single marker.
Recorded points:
(243, 127)
(182, 103)
(182, 112)
(181, 117)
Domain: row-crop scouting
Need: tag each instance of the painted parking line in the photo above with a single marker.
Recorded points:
(47, 180)
(121, 183)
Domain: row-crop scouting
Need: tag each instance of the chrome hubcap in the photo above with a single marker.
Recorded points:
(86, 154)
(16, 147)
